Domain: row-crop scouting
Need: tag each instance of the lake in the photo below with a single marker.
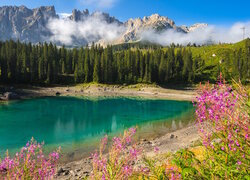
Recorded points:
(77, 124)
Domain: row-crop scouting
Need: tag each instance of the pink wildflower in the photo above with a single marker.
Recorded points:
(156, 149)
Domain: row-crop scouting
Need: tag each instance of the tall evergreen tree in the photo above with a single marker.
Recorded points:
(86, 66)
(162, 69)
(96, 69)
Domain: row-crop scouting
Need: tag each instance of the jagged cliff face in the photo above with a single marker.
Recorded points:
(135, 27)
(194, 27)
(155, 22)
(30, 25)
(83, 15)
(79, 15)
(25, 24)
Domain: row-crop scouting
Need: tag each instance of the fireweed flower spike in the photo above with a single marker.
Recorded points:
(118, 163)
(223, 121)
(30, 163)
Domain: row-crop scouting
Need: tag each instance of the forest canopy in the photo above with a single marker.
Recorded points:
(49, 64)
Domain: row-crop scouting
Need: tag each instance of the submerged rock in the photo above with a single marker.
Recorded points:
(9, 96)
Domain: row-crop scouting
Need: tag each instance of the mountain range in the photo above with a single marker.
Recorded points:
(31, 25)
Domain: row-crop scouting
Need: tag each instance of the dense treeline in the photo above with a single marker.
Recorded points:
(138, 45)
(46, 63)
(237, 65)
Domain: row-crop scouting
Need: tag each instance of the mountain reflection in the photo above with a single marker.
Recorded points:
(61, 120)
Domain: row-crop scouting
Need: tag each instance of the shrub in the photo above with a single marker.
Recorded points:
(29, 163)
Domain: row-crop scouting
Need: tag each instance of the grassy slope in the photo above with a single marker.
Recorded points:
(211, 54)
(206, 52)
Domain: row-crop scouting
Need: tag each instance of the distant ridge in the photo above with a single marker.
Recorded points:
(30, 25)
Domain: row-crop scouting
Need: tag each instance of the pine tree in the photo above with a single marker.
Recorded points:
(102, 68)
(74, 58)
(170, 63)
(142, 66)
(68, 62)
(162, 69)
(62, 60)
(178, 64)
(86, 66)
(33, 67)
(4, 75)
(80, 65)
(146, 78)
(40, 69)
(96, 69)
(76, 78)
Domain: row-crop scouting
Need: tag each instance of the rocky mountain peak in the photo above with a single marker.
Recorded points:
(25, 24)
(197, 26)
(106, 17)
(154, 22)
(156, 18)
(79, 15)
(30, 25)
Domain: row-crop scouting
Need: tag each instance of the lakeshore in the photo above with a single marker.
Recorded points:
(95, 90)
(169, 142)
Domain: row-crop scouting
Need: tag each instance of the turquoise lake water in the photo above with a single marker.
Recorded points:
(77, 124)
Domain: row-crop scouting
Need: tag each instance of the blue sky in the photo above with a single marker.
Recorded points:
(218, 12)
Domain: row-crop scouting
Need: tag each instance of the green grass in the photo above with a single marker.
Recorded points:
(219, 50)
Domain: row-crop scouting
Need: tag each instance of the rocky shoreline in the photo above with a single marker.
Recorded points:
(170, 142)
(94, 90)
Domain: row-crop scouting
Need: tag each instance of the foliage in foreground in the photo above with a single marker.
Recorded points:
(222, 120)
(29, 163)
(119, 163)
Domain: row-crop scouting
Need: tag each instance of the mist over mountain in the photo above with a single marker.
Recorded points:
(82, 27)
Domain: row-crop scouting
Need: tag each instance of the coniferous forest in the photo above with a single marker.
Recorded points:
(49, 64)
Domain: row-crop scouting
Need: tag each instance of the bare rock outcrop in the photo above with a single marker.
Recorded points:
(31, 25)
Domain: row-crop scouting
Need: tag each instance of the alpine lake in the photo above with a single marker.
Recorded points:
(76, 124)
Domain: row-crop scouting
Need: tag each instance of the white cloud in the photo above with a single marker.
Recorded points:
(99, 3)
(64, 15)
(199, 36)
(95, 28)
(90, 30)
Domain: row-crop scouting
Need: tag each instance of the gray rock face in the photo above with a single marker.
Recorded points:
(78, 15)
(30, 25)
(106, 17)
(83, 15)
(134, 27)
(155, 22)
(197, 26)
(27, 25)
